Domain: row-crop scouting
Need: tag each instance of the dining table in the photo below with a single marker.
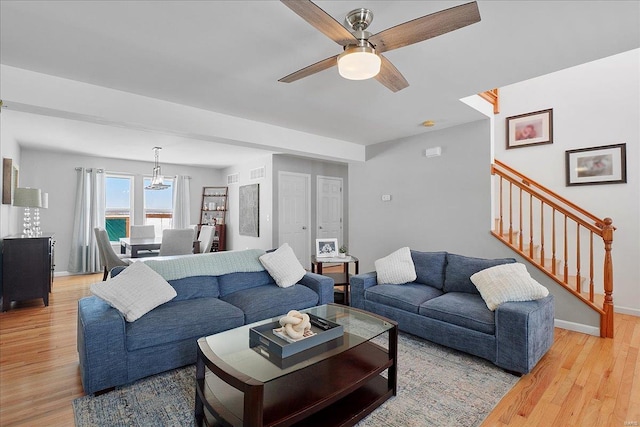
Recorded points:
(146, 246)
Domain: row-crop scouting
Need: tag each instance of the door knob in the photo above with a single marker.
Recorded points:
(320, 227)
(304, 227)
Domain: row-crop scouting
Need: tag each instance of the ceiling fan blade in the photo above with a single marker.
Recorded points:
(311, 69)
(426, 27)
(390, 76)
(321, 20)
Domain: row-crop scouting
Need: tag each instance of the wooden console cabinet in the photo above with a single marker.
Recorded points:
(27, 268)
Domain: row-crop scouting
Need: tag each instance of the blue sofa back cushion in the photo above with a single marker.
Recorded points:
(430, 267)
(460, 268)
(234, 282)
(195, 287)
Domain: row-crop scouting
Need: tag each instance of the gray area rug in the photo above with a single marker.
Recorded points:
(437, 386)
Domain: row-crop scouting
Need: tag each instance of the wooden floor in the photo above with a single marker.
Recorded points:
(582, 381)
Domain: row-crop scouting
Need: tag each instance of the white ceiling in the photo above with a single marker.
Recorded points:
(226, 57)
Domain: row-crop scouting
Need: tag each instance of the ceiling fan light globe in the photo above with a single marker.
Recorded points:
(359, 63)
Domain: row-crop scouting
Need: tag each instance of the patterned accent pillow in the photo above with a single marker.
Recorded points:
(507, 282)
(135, 291)
(396, 268)
(283, 266)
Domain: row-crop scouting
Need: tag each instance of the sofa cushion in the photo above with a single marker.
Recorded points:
(178, 320)
(271, 300)
(396, 268)
(283, 265)
(135, 291)
(460, 268)
(234, 282)
(430, 267)
(461, 309)
(508, 282)
(195, 287)
(407, 297)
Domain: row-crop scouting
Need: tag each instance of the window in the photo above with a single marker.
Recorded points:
(118, 213)
(158, 206)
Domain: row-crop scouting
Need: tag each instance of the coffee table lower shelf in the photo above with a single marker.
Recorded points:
(338, 391)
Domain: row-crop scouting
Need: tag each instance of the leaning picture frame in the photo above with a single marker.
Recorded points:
(326, 248)
(530, 129)
(606, 164)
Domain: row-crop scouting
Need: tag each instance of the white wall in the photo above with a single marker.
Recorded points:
(234, 240)
(9, 148)
(55, 174)
(594, 104)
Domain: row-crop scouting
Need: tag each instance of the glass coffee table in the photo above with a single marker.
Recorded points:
(340, 385)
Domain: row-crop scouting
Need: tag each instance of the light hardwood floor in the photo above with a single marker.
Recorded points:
(582, 381)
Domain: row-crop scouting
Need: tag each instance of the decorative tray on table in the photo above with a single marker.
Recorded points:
(326, 335)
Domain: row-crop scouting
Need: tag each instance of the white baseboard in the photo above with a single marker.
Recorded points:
(61, 273)
(627, 310)
(577, 327)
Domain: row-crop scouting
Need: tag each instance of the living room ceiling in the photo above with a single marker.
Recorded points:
(227, 57)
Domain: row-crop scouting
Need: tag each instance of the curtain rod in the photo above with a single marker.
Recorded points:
(79, 168)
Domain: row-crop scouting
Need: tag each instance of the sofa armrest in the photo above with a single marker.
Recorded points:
(101, 345)
(524, 333)
(322, 285)
(359, 284)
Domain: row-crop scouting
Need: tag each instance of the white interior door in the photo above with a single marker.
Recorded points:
(329, 208)
(294, 206)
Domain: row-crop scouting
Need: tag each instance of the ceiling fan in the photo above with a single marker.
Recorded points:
(362, 57)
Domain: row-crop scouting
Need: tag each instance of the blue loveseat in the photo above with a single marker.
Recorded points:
(443, 306)
(215, 292)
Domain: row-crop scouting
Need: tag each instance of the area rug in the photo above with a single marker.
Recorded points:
(437, 386)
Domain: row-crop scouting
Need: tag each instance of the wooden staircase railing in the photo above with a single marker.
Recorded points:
(551, 220)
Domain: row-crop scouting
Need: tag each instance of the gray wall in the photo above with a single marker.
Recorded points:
(55, 174)
(437, 204)
(315, 168)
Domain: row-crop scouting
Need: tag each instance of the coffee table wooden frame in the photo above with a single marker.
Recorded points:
(346, 387)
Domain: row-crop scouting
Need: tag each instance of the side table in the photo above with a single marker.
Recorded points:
(340, 279)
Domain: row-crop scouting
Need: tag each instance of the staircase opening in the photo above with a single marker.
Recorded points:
(567, 243)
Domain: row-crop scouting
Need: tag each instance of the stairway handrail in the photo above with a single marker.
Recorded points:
(598, 222)
(595, 228)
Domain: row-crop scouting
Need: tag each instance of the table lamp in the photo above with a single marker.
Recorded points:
(27, 198)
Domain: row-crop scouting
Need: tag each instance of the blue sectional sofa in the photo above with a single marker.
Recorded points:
(215, 292)
(443, 306)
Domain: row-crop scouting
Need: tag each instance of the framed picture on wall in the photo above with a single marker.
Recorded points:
(597, 165)
(530, 129)
(326, 248)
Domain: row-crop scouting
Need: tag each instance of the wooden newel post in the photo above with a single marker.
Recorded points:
(606, 329)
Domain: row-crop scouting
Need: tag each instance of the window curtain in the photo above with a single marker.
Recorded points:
(181, 202)
(88, 214)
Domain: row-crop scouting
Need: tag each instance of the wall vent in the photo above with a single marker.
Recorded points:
(257, 173)
(232, 179)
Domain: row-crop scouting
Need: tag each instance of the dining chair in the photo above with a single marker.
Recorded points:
(176, 242)
(108, 257)
(207, 232)
(142, 231)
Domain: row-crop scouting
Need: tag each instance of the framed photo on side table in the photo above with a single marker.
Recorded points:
(597, 165)
(530, 129)
(326, 248)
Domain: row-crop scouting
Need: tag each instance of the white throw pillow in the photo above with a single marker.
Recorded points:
(396, 268)
(135, 291)
(283, 266)
(507, 282)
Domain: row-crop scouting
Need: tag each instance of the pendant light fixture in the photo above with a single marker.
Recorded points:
(157, 179)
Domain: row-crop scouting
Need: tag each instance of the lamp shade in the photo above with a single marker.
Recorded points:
(359, 63)
(27, 197)
(45, 201)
